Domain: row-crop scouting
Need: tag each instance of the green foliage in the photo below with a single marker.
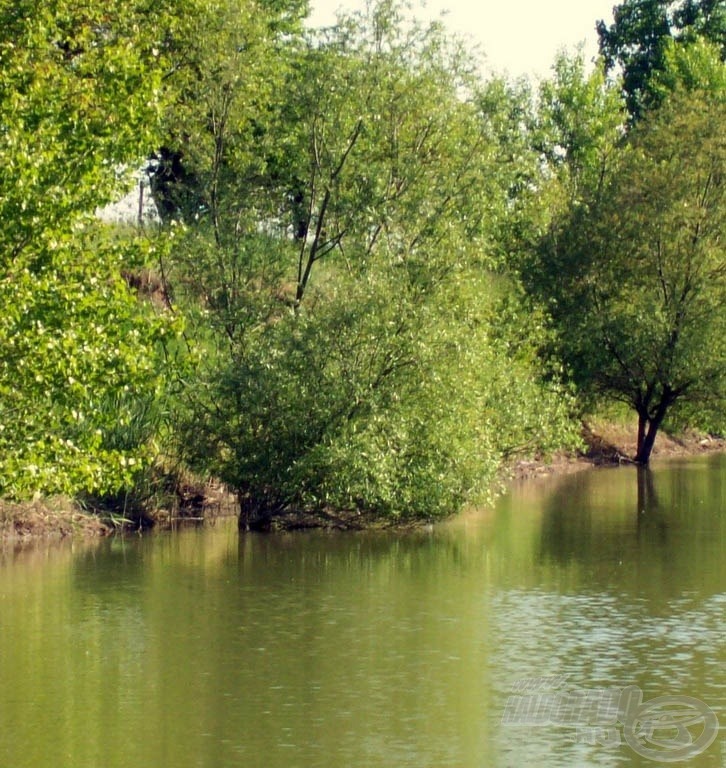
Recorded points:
(80, 93)
(342, 211)
(695, 67)
(636, 280)
(579, 126)
(576, 136)
(352, 354)
(79, 371)
(377, 400)
(220, 132)
(643, 31)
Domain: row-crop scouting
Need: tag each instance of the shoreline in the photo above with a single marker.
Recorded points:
(606, 444)
(52, 519)
(609, 444)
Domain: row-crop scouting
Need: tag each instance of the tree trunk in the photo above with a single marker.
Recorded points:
(642, 426)
(646, 437)
(645, 448)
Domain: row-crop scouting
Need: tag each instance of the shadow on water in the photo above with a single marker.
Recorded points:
(659, 529)
(652, 519)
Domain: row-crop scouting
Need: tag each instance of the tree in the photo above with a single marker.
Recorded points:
(636, 281)
(229, 63)
(638, 39)
(79, 362)
(81, 91)
(579, 125)
(576, 135)
(694, 67)
(80, 375)
(353, 356)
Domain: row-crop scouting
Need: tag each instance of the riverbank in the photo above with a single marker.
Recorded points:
(62, 518)
(53, 518)
(606, 443)
(609, 443)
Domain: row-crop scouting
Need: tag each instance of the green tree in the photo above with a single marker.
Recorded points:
(579, 125)
(637, 280)
(576, 135)
(79, 101)
(641, 32)
(228, 72)
(694, 67)
(353, 359)
(81, 87)
(80, 375)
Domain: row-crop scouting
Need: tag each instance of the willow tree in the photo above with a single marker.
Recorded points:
(353, 359)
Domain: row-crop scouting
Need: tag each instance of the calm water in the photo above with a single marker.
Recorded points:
(202, 648)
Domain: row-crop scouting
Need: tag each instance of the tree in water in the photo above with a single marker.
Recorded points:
(636, 278)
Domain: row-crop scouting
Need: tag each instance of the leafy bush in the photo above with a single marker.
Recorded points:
(379, 399)
(79, 374)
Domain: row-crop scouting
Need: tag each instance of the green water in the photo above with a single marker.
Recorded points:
(203, 648)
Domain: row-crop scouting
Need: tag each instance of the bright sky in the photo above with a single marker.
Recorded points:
(519, 37)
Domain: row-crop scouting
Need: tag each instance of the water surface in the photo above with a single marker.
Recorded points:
(204, 648)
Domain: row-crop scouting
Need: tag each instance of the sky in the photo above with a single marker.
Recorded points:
(517, 37)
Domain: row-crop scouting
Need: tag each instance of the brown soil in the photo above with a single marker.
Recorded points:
(52, 518)
(60, 518)
(608, 443)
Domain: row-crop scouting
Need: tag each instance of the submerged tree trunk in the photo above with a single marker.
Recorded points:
(257, 513)
(243, 521)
